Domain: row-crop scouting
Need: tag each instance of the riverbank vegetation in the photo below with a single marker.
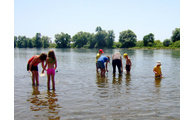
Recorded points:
(99, 39)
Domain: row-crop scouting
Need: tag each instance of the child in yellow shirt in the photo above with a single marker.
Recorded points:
(97, 57)
(157, 70)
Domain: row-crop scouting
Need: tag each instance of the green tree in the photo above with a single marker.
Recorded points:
(98, 29)
(25, 42)
(100, 38)
(158, 43)
(175, 44)
(175, 35)
(117, 45)
(110, 39)
(139, 43)
(15, 41)
(91, 41)
(22, 42)
(19, 42)
(62, 40)
(45, 40)
(30, 43)
(127, 38)
(148, 40)
(80, 39)
(37, 40)
(166, 42)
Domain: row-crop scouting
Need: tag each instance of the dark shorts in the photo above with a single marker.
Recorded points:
(33, 68)
(128, 67)
(158, 76)
(100, 65)
(97, 66)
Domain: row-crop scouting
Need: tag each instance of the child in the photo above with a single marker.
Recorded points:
(128, 63)
(100, 64)
(33, 66)
(52, 65)
(157, 70)
(98, 56)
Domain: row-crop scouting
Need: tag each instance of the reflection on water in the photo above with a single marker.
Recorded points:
(102, 83)
(108, 87)
(117, 81)
(127, 79)
(175, 54)
(45, 102)
(157, 82)
(149, 53)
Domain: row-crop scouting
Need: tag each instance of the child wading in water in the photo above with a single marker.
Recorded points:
(51, 61)
(128, 63)
(157, 70)
(97, 57)
(33, 66)
(100, 64)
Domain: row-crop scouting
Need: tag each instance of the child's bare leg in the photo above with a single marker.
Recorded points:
(53, 81)
(37, 77)
(96, 69)
(128, 72)
(103, 72)
(48, 81)
(33, 77)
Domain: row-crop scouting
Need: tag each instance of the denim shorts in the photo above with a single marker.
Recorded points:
(100, 65)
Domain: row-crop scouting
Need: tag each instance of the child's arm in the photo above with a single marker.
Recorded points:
(121, 65)
(130, 63)
(161, 74)
(55, 64)
(106, 66)
(44, 67)
(154, 71)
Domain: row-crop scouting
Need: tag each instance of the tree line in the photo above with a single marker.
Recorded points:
(100, 39)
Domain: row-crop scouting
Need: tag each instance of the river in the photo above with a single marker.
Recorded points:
(82, 94)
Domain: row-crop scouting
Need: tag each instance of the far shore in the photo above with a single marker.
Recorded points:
(133, 48)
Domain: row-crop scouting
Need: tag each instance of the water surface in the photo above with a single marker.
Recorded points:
(82, 94)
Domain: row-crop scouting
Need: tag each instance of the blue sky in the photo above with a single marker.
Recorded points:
(50, 17)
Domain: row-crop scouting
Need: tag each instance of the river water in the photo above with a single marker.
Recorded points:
(82, 94)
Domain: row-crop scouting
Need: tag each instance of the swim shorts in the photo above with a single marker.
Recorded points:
(158, 76)
(33, 68)
(51, 71)
(128, 67)
(100, 65)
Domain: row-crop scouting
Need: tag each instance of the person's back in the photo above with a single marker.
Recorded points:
(102, 59)
(51, 62)
(128, 61)
(116, 56)
(97, 56)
